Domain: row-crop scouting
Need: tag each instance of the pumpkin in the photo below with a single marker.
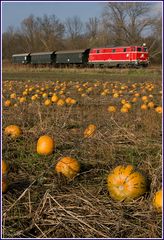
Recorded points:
(158, 109)
(13, 95)
(45, 145)
(68, 166)
(4, 176)
(44, 95)
(124, 109)
(60, 102)
(150, 105)
(13, 130)
(125, 184)
(112, 109)
(34, 97)
(115, 95)
(22, 99)
(157, 201)
(144, 107)
(127, 105)
(89, 131)
(73, 101)
(47, 102)
(144, 99)
(7, 103)
(4, 186)
(134, 99)
(54, 98)
(4, 167)
(68, 100)
(123, 101)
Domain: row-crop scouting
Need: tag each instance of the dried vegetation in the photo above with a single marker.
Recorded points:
(41, 204)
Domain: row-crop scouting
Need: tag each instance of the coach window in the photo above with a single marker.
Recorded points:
(124, 49)
(113, 50)
(139, 49)
(98, 51)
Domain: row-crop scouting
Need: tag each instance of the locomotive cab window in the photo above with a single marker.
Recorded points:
(124, 49)
(145, 49)
(139, 49)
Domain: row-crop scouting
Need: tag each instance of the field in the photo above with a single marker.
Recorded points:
(40, 203)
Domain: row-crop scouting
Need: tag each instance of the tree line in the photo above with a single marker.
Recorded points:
(121, 24)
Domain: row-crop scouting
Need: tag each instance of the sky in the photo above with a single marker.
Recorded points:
(13, 13)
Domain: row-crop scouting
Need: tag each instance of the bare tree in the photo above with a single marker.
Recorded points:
(74, 27)
(29, 29)
(42, 33)
(154, 41)
(92, 27)
(74, 33)
(127, 21)
(51, 32)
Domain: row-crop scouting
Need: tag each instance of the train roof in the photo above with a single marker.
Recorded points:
(118, 46)
(72, 51)
(20, 54)
(42, 53)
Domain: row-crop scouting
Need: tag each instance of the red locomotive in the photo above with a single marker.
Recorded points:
(119, 56)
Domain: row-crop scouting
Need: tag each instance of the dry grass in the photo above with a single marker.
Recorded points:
(41, 204)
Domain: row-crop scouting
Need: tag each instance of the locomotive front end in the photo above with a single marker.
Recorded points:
(142, 56)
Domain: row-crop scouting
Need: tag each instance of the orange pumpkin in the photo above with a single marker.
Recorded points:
(125, 184)
(7, 103)
(4, 176)
(45, 145)
(68, 166)
(73, 101)
(60, 102)
(54, 98)
(157, 200)
(68, 100)
(111, 109)
(13, 130)
(127, 105)
(13, 95)
(89, 131)
(144, 107)
(158, 109)
(124, 109)
(4, 186)
(150, 105)
(4, 167)
(47, 102)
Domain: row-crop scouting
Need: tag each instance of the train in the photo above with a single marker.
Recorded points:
(120, 56)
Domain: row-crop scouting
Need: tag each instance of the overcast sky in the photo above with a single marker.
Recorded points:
(14, 12)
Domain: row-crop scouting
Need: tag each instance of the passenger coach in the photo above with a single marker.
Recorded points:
(23, 58)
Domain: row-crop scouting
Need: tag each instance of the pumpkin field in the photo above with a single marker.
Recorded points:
(82, 153)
